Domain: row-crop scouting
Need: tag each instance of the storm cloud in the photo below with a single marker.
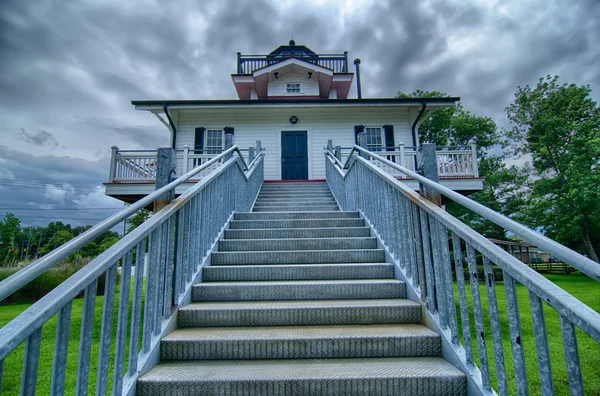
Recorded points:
(70, 69)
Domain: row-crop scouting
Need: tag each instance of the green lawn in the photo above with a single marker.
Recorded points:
(14, 362)
(581, 287)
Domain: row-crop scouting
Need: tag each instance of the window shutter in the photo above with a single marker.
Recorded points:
(228, 130)
(389, 137)
(199, 140)
(358, 129)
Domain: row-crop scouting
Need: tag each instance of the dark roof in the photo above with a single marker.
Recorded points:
(292, 49)
(234, 102)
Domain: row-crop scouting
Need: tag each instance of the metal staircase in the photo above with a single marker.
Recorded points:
(298, 299)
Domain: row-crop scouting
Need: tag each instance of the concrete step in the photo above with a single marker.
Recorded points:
(299, 290)
(301, 342)
(298, 257)
(420, 376)
(271, 233)
(295, 215)
(247, 245)
(296, 223)
(297, 272)
(299, 313)
(296, 208)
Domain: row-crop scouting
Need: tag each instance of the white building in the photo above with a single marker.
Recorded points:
(293, 101)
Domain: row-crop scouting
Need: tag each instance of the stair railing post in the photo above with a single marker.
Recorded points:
(338, 153)
(330, 146)
(165, 170)
(250, 155)
(228, 142)
(258, 147)
(113, 163)
(185, 165)
(474, 159)
(362, 142)
(402, 155)
(427, 166)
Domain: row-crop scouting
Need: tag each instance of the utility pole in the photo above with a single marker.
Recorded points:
(28, 240)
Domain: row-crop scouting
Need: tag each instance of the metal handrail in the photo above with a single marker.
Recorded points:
(178, 240)
(19, 279)
(574, 259)
(417, 234)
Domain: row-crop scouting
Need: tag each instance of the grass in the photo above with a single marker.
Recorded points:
(582, 288)
(13, 364)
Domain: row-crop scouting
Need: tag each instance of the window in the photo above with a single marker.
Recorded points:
(374, 138)
(214, 141)
(293, 88)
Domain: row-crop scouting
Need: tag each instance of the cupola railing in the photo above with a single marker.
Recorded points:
(247, 64)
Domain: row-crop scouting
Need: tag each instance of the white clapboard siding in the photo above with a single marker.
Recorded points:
(309, 87)
(266, 124)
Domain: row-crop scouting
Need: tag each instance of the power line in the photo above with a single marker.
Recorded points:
(57, 209)
(61, 218)
(45, 183)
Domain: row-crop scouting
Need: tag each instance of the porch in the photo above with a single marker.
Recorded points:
(133, 172)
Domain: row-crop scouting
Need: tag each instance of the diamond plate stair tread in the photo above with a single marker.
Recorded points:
(299, 290)
(299, 257)
(297, 232)
(298, 272)
(295, 215)
(358, 376)
(254, 245)
(295, 223)
(299, 312)
(286, 342)
(276, 209)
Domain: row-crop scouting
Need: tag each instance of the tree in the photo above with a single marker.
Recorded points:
(505, 190)
(559, 127)
(503, 186)
(455, 126)
(137, 219)
(60, 237)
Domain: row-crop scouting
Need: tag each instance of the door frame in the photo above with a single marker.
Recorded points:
(308, 148)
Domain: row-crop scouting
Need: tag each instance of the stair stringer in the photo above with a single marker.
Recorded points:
(453, 353)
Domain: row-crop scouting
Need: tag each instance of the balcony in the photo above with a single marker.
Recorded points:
(246, 64)
(133, 172)
(457, 166)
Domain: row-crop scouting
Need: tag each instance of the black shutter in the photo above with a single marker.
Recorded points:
(199, 140)
(358, 129)
(389, 137)
(228, 130)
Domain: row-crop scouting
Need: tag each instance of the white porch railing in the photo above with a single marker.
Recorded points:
(452, 162)
(139, 166)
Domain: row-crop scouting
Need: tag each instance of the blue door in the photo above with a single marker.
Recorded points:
(294, 155)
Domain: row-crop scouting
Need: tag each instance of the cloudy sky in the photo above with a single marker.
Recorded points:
(69, 70)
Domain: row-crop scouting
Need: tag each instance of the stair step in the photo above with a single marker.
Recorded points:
(299, 290)
(298, 257)
(286, 194)
(301, 342)
(297, 232)
(365, 376)
(295, 215)
(297, 272)
(299, 313)
(295, 202)
(254, 245)
(297, 223)
(306, 208)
